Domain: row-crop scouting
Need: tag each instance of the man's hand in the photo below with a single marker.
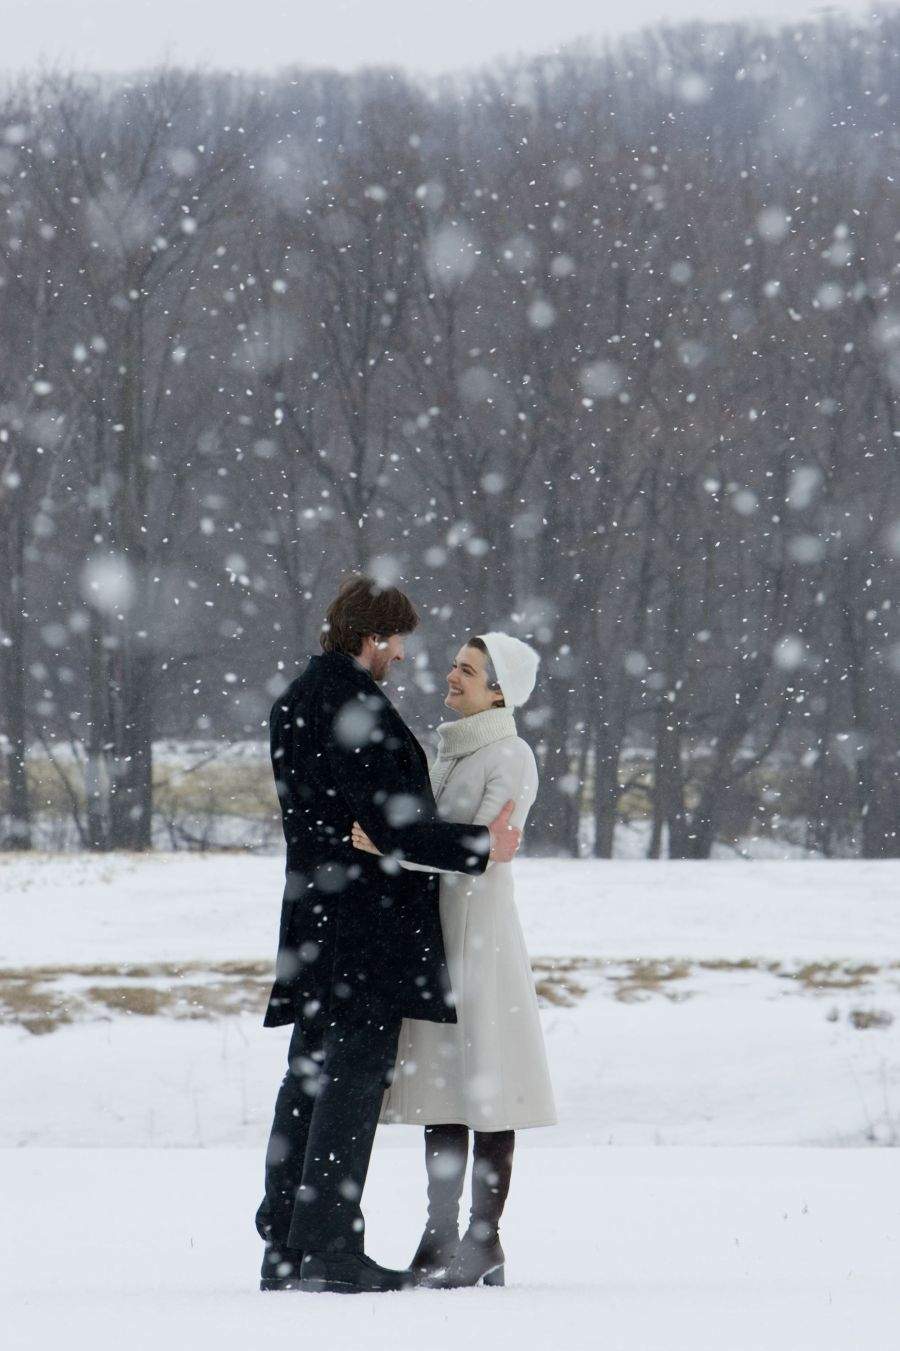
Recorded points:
(361, 840)
(505, 838)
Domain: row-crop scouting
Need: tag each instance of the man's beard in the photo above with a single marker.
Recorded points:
(380, 672)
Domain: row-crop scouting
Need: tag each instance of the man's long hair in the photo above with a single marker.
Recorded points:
(364, 608)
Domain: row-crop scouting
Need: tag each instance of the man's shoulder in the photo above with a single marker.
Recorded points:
(332, 681)
(325, 668)
(302, 688)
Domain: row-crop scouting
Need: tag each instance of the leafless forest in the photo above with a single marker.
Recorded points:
(603, 348)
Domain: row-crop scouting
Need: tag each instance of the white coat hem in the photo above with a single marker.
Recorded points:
(506, 1125)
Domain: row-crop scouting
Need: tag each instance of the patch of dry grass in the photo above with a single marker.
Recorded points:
(25, 1003)
(557, 980)
(832, 975)
(143, 999)
(729, 964)
(240, 787)
(42, 999)
(649, 976)
(866, 1018)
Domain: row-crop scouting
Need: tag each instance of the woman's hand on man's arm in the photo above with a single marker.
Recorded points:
(361, 840)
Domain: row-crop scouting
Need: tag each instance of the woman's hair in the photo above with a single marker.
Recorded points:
(363, 608)
(492, 682)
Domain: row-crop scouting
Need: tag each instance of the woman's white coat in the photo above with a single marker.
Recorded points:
(489, 1069)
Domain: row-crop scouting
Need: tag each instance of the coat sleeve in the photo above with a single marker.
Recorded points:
(421, 867)
(366, 765)
(512, 776)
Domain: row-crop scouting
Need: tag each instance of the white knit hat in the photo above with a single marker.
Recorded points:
(515, 664)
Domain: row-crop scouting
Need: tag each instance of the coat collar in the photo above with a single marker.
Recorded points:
(470, 734)
(341, 663)
(340, 666)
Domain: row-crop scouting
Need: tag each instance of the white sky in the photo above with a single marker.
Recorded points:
(421, 35)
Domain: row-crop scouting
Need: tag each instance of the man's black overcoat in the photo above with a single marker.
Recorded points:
(360, 936)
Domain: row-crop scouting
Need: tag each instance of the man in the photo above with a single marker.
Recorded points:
(360, 943)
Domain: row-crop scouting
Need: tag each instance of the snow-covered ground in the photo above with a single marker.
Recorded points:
(707, 1003)
(607, 1250)
(714, 1006)
(82, 908)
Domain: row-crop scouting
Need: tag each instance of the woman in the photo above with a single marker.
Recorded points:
(488, 1071)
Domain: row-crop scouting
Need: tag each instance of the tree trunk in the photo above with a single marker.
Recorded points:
(553, 822)
(96, 787)
(855, 652)
(669, 804)
(704, 826)
(12, 683)
(607, 749)
(131, 801)
(668, 785)
(880, 830)
(131, 805)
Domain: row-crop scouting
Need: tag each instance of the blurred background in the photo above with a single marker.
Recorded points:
(576, 323)
(597, 341)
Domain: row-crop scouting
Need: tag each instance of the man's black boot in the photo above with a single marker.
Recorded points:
(349, 1274)
(280, 1268)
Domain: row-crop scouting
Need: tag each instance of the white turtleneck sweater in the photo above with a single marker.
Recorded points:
(481, 764)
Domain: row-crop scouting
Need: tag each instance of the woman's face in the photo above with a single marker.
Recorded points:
(467, 687)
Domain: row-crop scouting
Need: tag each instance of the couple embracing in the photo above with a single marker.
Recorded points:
(401, 962)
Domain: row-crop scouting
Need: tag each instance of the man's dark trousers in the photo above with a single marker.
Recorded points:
(326, 1114)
